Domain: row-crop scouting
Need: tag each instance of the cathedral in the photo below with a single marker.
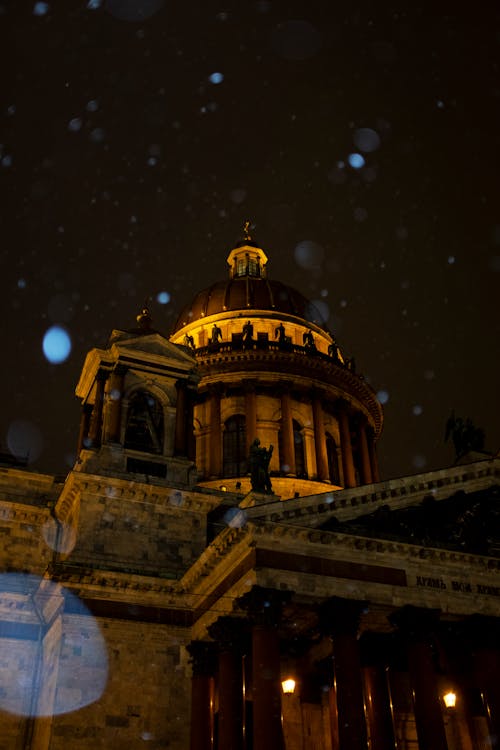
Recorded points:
(224, 568)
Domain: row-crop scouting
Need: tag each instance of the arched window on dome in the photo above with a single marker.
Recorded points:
(145, 428)
(234, 449)
(333, 459)
(298, 444)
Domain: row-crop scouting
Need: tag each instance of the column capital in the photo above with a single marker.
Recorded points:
(482, 631)
(416, 623)
(264, 606)
(338, 616)
(230, 633)
(203, 657)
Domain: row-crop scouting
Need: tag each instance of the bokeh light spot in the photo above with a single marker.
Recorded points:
(75, 124)
(383, 396)
(40, 9)
(163, 298)
(24, 440)
(34, 686)
(216, 78)
(56, 345)
(417, 410)
(419, 461)
(356, 161)
(366, 140)
(236, 518)
(309, 254)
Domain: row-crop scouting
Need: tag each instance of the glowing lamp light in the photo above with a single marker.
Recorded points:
(450, 699)
(288, 686)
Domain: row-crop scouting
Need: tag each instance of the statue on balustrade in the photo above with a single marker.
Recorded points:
(334, 352)
(216, 334)
(247, 333)
(279, 333)
(464, 434)
(258, 463)
(308, 340)
(189, 341)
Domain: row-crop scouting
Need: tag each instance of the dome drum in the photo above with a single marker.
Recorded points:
(271, 370)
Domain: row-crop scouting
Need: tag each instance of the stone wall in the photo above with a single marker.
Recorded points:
(147, 694)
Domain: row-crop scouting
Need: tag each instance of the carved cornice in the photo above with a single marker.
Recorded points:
(401, 550)
(122, 489)
(347, 504)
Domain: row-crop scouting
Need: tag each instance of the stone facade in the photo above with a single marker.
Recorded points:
(152, 599)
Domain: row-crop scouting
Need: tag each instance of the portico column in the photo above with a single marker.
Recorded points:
(319, 438)
(288, 458)
(264, 607)
(180, 444)
(96, 418)
(484, 638)
(375, 648)
(366, 470)
(250, 414)
(339, 618)
(372, 449)
(346, 448)
(215, 434)
(203, 665)
(230, 635)
(417, 626)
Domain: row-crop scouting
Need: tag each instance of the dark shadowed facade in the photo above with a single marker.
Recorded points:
(152, 599)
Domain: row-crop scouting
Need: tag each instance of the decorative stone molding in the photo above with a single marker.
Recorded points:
(347, 504)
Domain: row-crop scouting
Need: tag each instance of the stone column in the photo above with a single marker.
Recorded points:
(203, 664)
(95, 431)
(250, 414)
(114, 405)
(339, 618)
(191, 439)
(483, 635)
(264, 607)
(372, 449)
(375, 648)
(288, 458)
(346, 448)
(215, 435)
(366, 469)
(230, 634)
(418, 626)
(320, 438)
(180, 442)
(84, 427)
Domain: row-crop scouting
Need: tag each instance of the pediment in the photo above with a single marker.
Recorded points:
(469, 522)
(152, 344)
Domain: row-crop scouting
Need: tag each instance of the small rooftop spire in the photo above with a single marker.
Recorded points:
(246, 231)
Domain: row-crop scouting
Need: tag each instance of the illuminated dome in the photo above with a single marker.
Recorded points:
(248, 288)
(270, 369)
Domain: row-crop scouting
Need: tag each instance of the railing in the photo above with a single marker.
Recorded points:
(262, 344)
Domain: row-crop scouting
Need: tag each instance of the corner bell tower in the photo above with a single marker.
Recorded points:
(137, 400)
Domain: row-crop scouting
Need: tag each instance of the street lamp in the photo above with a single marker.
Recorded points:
(288, 686)
(450, 699)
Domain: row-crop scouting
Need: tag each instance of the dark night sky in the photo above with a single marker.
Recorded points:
(126, 172)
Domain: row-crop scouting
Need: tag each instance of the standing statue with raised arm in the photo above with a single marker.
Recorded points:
(258, 463)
